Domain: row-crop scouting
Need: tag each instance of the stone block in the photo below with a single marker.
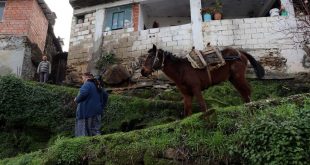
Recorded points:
(256, 25)
(144, 32)
(221, 27)
(86, 24)
(262, 30)
(186, 26)
(244, 26)
(249, 20)
(238, 21)
(142, 37)
(215, 23)
(184, 42)
(137, 53)
(155, 30)
(137, 43)
(251, 41)
(187, 37)
(172, 28)
(177, 38)
(166, 39)
(227, 33)
(239, 42)
(259, 46)
(232, 27)
(250, 31)
(246, 36)
(258, 35)
(238, 32)
(90, 36)
(226, 22)
(85, 32)
(172, 43)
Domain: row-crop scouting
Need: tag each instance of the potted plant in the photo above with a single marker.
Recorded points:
(218, 10)
(207, 13)
(214, 10)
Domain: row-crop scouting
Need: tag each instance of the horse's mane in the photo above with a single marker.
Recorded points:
(173, 57)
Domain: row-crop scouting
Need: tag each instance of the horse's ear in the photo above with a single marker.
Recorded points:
(154, 48)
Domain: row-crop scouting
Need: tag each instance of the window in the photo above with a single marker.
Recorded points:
(118, 20)
(80, 19)
(2, 5)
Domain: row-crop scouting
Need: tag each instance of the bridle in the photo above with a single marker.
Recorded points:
(156, 59)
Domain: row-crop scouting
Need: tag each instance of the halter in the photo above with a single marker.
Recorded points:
(157, 59)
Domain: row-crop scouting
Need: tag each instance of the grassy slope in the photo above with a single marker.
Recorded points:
(192, 140)
(46, 123)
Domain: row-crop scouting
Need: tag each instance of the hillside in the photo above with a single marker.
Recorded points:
(149, 131)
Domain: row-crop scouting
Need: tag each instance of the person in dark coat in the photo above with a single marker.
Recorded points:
(91, 101)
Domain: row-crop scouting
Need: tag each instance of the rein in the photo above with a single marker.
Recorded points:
(157, 59)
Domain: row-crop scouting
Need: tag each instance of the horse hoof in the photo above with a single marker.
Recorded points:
(209, 113)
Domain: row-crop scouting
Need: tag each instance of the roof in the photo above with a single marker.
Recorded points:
(49, 14)
(77, 4)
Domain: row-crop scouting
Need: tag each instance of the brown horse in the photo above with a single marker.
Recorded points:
(192, 81)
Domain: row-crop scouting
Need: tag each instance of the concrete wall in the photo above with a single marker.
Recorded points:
(269, 38)
(25, 18)
(12, 51)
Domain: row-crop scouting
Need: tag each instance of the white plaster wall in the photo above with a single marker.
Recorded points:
(255, 34)
(12, 52)
(11, 61)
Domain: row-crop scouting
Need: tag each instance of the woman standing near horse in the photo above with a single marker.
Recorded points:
(192, 81)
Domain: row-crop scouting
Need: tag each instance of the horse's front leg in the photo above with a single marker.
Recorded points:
(202, 103)
(187, 100)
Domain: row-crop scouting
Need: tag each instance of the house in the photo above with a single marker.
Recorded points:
(26, 33)
(128, 28)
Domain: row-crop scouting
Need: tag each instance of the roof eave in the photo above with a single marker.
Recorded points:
(77, 4)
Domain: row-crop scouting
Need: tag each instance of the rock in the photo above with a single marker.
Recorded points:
(174, 154)
(116, 74)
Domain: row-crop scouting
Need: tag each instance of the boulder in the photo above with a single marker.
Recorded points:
(115, 75)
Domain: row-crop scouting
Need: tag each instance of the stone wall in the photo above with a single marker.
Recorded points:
(81, 42)
(270, 39)
(129, 45)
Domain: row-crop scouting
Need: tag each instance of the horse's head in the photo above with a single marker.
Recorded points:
(153, 62)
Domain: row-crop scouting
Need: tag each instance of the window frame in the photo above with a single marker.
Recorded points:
(2, 14)
(118, 13)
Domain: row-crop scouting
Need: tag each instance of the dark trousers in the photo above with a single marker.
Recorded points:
(43, 77)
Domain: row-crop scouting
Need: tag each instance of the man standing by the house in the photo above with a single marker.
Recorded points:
(44, 69)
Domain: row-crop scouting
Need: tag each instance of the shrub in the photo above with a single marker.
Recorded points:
(281, 136)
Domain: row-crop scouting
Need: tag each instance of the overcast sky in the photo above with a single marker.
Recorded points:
(64, 12)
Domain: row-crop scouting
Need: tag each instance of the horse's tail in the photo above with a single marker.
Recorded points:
(258, 68)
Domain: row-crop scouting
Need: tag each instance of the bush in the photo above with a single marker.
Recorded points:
(281, 136)
(32, 114)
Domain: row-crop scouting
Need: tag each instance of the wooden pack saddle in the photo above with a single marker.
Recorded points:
(211, 58)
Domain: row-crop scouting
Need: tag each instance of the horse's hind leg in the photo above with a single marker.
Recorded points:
(241, 84)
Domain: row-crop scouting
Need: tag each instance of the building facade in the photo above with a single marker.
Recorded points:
(129, 28)
(26, 33)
